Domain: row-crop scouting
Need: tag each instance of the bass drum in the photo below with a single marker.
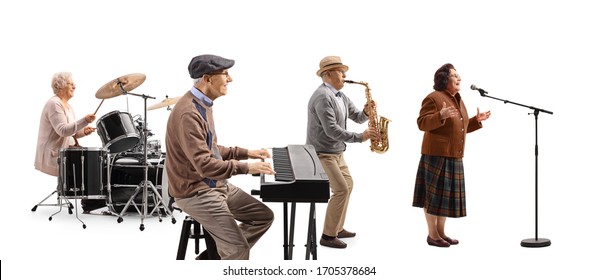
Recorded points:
(126, 174)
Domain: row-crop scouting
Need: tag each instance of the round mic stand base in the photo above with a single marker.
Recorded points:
(535, 242)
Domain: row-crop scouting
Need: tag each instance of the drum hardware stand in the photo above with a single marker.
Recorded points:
(63, 196)
(58, 199)
(59, 202)
(145, 184)
(111, 210)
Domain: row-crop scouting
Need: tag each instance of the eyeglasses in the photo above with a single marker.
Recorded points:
(222, 73)
(455, 75)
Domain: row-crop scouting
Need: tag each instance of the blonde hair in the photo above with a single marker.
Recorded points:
(60, 81)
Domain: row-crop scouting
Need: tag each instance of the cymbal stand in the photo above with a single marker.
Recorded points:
(145, 184)
(168, 108)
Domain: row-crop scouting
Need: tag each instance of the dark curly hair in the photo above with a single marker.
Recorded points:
(441, 76)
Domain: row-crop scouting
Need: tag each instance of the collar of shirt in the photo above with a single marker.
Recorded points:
(197, 93)
(333, 91)
(338, 99)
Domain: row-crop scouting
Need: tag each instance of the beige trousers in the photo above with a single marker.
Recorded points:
(341, 185)
(219, 209)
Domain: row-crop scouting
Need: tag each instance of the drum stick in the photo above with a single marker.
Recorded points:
(99, 106)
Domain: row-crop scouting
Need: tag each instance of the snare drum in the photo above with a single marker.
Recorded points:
(154, 148)
(117, 131)
(81, 172)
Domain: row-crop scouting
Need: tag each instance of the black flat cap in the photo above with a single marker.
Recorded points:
(207, 63)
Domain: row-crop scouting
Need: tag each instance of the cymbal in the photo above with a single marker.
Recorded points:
(113, 89)
(164, 103)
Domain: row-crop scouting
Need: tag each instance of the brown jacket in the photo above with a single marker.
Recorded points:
(444, 137)
(191, 164)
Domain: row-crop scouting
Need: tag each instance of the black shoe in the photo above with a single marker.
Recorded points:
(206, 256)
(202, 256)
(89, 204)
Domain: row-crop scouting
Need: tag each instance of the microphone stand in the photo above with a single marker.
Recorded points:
(529, 242)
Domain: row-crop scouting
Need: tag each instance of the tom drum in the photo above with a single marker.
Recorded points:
(117, 131)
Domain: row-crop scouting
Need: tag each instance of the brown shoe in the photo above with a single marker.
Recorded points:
(451, 241)
(437, 243)
(345, 234)
(333, 243)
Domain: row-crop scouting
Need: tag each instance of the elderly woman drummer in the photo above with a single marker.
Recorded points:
(58, 127)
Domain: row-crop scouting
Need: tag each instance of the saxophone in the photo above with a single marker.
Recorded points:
(380, 125)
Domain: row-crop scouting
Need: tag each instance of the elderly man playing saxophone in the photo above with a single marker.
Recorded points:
(327, 113)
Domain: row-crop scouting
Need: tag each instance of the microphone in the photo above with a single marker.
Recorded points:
(482, 92)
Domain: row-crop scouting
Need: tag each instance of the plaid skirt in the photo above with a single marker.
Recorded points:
(440, 186)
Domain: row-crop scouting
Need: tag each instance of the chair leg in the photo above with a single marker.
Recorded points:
(210, 245)
(197, 235)
(193, 229)
(183, 240)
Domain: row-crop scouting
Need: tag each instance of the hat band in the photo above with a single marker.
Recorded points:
(333, 64)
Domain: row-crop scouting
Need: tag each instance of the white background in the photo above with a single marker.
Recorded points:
(537, 53)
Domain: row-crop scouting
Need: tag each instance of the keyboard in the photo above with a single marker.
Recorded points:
(299, 176)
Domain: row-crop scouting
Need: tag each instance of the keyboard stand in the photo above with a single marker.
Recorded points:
(311, 234)
(299, 178)
(289, 232)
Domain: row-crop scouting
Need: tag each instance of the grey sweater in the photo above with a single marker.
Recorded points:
(326, 126)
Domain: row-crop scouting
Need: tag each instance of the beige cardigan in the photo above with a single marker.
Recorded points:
(56, 125)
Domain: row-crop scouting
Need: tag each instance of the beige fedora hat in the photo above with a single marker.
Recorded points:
(331, 62)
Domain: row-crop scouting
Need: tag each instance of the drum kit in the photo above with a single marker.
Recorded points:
(128, 170)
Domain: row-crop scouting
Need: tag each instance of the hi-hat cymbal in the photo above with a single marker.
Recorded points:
(113, 88)
(164, 103)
